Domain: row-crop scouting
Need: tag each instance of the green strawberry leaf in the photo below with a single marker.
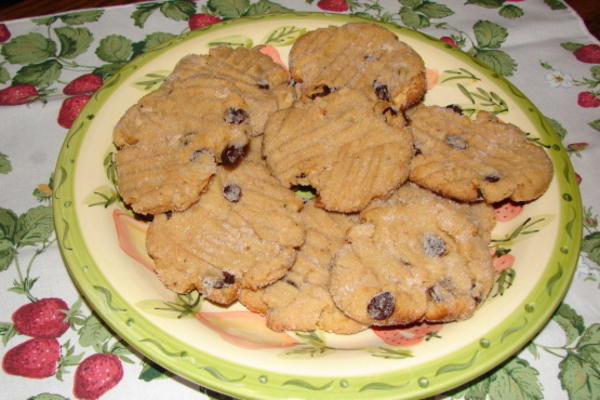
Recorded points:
(489, 35)
(115, 49)
(81, 17)
(578, 377)
(228, 8)
(8, 225)
(557, 127)
(411, 3)
(28, 49)
(511, 11)
(595, 124)
(474, 391)
(589, 345)
(571, 322)
(73, 41)
(571, 46)
(156, 38)
(152, 371)
(555, 4)
(178, 10)
(266, 7)
(42, 74)
(595, 70)
(412, 19)
(4, 75)
(498, 60)
(5, 165)
(45, 20)
(107, 70)
(486, 3)
(284, 35)
(434, 10)
(47, 396)
(34, 226)
(142, 13)
(515, 380)
(7, 254)
(93, 332)
(591, 246)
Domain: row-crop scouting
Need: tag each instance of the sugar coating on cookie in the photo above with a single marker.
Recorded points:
(472, 159)
(170, 142)
(339, 145)
(242, 233)
(263, 84)
(359, 55)
(300, 300)
(415, 257)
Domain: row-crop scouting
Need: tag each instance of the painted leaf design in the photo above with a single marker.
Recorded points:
(516, 380)
(26, 49)
(42, 74)
(228, 8)
(578, 377)
(571, 322)
(115, 49)
(81, 17)
(34, 226)
(73, 41)
(284, 35)
(489, 34)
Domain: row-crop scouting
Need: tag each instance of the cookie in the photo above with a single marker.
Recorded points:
(339, 145)
(263, 84)
(415, 257)
(360, 55)
(170, 142)
(241, 233)
(301, 301)
(472, 159)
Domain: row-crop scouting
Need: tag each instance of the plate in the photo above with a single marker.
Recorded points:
(229, 349)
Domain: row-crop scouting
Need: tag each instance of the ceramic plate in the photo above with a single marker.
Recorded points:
(230, 349)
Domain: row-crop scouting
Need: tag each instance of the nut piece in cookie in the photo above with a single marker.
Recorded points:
(300, 300)
(242, 233)
(415, 257)
(359, 55)
(339, 145)
(171, 141)
(468, 159)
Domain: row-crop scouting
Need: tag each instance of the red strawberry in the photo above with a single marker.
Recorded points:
(449, 40)
(588, 54)
(96, 375)
(333, 5)
(70, 109)
(199, 20)
(507, 210)
(35, 358)
(16, 95)
(503, 262)
(588, 100)
(578, 178)
(406, 336)
(85, 84)
(42, 318)
(4, 33)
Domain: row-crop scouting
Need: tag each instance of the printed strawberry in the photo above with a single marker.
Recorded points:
(4, 33)
(588, 100)
(588, 54)
(35, 358)
(70, 109)
(333, 5)
(578, 178)
(449, 40)
(85, 84)
(42, 318)
(406, 336)
(507, 210)
(16, 95)
(199, 20)
(96, 375)
(505, 261)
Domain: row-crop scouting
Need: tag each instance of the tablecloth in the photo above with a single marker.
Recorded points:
(50, 64)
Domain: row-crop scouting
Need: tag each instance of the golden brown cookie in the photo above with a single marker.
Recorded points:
(171, 140)
(339, 145)
(415, 257)
(242, 233)
(472, 159)
(360, 55)
(301, 300)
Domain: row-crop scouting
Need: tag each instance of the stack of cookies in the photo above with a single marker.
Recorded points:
(398, 225)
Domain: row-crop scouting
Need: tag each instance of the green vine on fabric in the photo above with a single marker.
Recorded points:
(510, 11)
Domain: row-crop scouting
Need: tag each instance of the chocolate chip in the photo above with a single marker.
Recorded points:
(292, 82)
(263, 84)
(169, 214)
(320, 91)
(392, 111)
(433, 245)
(291, 283)
(456, 141)
(196, 153)
(381, 91)
(416, 151)
(231, 155)
(492, 178)
(381, 306)
(228, 280)
(434, 292)
(454, 107)
(187, 138)
(232, 192)
(301, 175)
(235, 115)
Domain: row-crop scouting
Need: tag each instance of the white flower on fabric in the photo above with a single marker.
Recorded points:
(559, 79)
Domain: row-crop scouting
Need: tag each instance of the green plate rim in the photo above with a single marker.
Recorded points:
(442, 374)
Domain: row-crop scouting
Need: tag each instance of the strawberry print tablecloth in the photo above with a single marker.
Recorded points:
(54, 347)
